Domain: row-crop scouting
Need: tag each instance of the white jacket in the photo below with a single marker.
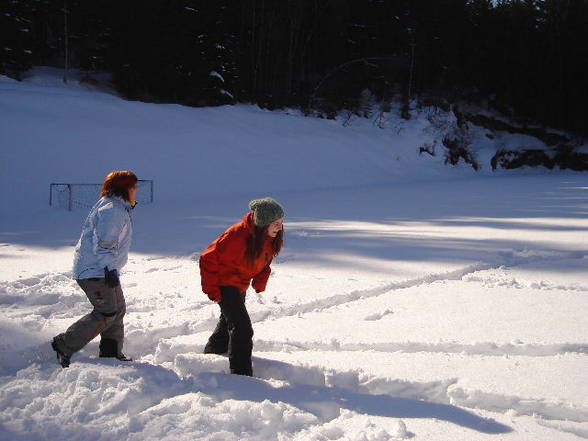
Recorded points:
(105, 240)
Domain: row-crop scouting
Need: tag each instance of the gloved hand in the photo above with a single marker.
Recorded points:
(111, 277)
(215, 296)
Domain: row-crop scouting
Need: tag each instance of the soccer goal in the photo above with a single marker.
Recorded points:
(72, 196)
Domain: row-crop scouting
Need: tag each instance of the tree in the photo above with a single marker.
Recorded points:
(16, 49)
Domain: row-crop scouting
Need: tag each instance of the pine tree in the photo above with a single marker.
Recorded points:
(16, 47)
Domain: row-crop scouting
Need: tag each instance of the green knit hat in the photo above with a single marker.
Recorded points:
(266, 211)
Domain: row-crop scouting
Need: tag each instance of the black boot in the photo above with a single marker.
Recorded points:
(109, 349)
(245, 372)
(62, 358)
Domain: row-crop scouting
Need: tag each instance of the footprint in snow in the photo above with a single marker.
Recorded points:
(378, 315)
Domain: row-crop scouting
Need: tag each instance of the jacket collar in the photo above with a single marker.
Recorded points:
(118, 200)
(249, 221)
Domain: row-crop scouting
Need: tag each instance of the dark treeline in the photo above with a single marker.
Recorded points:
(527, 58)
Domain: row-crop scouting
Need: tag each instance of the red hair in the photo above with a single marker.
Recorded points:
(118, 183)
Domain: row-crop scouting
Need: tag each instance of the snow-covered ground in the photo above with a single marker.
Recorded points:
(413, 300)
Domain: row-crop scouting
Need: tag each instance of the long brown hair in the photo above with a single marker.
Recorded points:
(256, 242)
(118, 183)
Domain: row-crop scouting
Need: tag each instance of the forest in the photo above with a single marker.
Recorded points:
(527, 59)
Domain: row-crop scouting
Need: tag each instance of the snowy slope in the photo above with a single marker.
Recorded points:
(191, 153)
(412, 301)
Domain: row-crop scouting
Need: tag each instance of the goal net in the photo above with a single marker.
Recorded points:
(72, 196)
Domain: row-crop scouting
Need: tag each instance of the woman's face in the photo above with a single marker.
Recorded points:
(275, 227)
(133, 193)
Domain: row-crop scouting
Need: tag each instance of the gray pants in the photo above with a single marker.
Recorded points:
(105, 319)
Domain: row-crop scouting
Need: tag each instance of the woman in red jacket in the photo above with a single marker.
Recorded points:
(240, 257)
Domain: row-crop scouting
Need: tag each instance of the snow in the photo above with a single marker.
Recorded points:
(227, 93)
(413, 300)
(214, 73)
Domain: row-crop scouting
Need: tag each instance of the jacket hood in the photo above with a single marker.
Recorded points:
(249, 221)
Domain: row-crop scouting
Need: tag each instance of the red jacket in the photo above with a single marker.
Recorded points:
(224, 263)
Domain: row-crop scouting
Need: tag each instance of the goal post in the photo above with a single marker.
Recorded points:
(72, 196)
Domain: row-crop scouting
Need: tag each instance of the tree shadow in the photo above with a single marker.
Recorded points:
(323, 401)
(326, 402)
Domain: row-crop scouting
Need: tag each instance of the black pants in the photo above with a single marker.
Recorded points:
(233, 333)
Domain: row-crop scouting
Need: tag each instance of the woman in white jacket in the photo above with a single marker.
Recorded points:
(99, 255)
